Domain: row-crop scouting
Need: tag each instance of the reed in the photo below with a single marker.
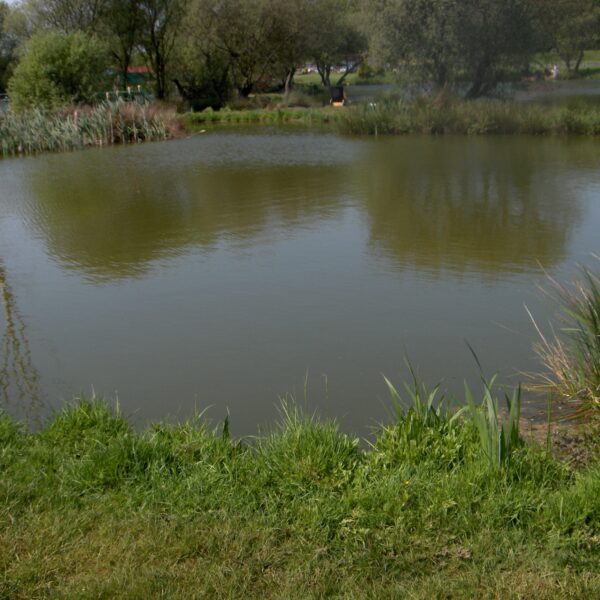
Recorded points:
(438, 116)
(483, 117)
(267, 116)
(36, 131)
(571, 356)
(499, 437)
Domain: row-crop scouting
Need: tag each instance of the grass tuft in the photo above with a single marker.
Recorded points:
(571, 357)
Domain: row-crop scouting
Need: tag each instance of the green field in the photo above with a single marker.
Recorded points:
(352, 79)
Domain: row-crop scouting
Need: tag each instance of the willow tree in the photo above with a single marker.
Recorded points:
(453, 41)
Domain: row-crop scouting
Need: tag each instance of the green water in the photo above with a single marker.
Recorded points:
(220, 270)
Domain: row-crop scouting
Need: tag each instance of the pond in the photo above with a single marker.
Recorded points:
(227, 270)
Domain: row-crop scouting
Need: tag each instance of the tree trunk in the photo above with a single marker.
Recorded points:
(325, 73)
(160, 74)
(349, 70)
(483, 83)
(246, 89)
(579, 61)
(289, 81)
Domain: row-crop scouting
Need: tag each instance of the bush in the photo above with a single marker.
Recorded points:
(58, 70)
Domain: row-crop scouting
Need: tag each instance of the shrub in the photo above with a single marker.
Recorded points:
(58, 70)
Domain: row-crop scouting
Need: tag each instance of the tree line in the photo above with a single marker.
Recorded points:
(207, 51)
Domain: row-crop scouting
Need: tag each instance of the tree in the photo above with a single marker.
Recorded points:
(160, 26)
(68, 16)
(334, 37)
(243, 32)
(416, 34)
(122, 22)
(59, 69)
(495, 36)
(573, 26)
(8, 46)
(449, 41)
(202, 76)
(289, 38)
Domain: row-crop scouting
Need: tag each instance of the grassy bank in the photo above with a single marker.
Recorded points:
(484, 117)
(38, 131)
(396, 117)
(89, 508)
(263, 116)
(434, 505)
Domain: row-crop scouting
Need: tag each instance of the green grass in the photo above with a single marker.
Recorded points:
(90, 508)
(483, 117)
(313, 79)
(267, 116)
(441, 116)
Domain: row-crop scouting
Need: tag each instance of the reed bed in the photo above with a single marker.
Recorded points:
(393, 116)
(118, 122)
(483, 117)
(266, 116)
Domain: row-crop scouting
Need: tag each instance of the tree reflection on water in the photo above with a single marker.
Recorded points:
(19, 380)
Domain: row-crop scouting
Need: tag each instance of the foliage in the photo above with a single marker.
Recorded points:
(335, 37)
(499, 440)
(570, 27)
(204, 78)
(208, 47)
(246, 35)
(58, 70)
(122, 22)
(7, 46)
(67, 16)
(449, 41)
(161, 21)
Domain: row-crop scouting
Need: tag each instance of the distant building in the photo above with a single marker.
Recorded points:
(138, 75)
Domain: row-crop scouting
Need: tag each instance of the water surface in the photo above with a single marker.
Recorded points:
(220, 270)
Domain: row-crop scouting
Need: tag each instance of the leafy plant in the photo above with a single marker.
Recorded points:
(499, 437)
